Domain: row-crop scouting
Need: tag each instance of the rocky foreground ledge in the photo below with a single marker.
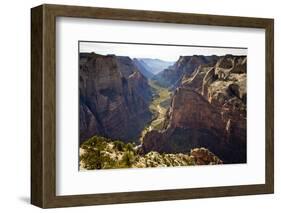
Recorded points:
(102, 153)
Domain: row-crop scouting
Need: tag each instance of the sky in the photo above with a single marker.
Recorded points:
(163, 52)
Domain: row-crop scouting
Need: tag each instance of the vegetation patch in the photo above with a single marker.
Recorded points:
(102, 153)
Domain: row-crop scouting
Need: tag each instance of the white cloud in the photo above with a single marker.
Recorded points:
(164, 52)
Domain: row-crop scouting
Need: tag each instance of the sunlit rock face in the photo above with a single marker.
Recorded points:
(208, 110)
(184, 66)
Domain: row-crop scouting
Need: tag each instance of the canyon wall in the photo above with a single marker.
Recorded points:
(208, 109)
(114, 97)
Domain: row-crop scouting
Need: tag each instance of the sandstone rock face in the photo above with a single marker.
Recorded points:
(192, 122)
(203, 156)
(88, 122)
(114, 97)
(190, 109)
(185, 66)
(194, 81)
(208, 110)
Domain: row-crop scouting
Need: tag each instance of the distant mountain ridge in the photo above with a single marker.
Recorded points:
(155, 66)
(143, 68)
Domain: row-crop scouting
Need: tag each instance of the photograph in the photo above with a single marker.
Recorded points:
(147, 105)
(144, 105)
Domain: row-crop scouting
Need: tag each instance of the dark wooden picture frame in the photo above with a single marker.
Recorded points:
(43, 105)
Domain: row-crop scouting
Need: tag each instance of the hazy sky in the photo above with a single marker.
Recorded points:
(167, 53)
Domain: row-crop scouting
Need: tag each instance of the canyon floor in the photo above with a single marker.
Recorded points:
(158, 107)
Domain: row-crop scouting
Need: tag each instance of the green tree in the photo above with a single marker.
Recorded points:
(118, 145)
(127, 159)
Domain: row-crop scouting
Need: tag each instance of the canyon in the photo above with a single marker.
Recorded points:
(198, 101)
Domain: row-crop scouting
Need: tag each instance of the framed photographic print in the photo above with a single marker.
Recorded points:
(136, 106)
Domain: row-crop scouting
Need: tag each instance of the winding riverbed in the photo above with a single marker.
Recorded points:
(158, 106)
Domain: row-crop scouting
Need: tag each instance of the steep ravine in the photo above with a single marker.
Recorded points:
(161, 98)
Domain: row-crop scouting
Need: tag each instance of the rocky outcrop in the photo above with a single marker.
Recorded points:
(192, 122)
(183, 68)
(208, 110)
(114, 97)
(190, 110)
(102, 153)
(194, 81)
(203, 156)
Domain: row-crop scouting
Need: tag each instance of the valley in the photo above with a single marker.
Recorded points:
(161, 98)
(193, 112)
